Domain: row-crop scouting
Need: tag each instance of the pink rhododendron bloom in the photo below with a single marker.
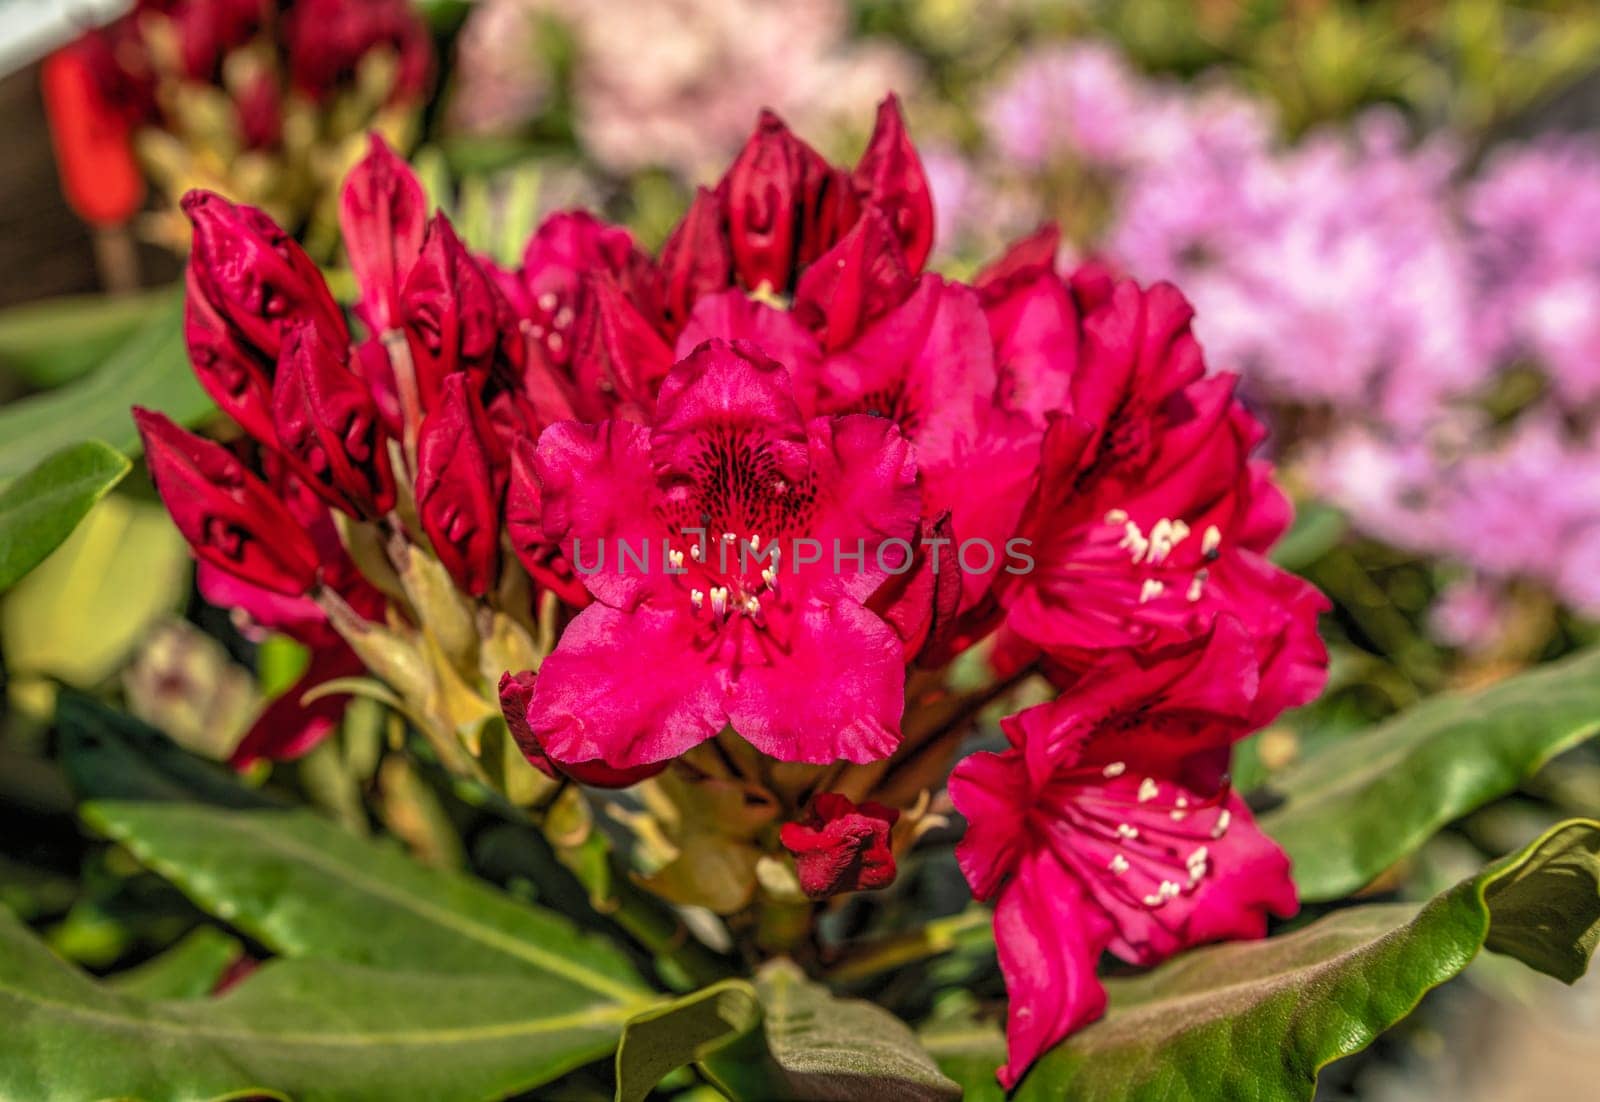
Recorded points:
(782, 650)
(842, 847)
(1108, 825)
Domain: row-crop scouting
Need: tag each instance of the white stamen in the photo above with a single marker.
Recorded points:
(1169, 889)
(728, 537)
(1126, 831)
(1133, 542)
(1178, 815)
(1117, 517)
(675, 558)
(1182, 801)
(1222, 824)
(547, 301)
(755, 541)
(719, 601)
(694, 551)
(1148, 790)
(1153, 900)
(555, 344)
(563, 317)
(1197, 585)
(752, 605)
(1211, 541)
(1150, 590)
(1119, 864)
(1115, 769)
(697, 599)
(770, 577)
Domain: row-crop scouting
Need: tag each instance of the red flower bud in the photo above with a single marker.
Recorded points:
(516, 689)
(841, 847)
(329, 428)
(382, 213)
(857, 281)
(455, 317)
(620, 359)
(230, 517)
(784, 205)
(326, 40)
(695, 260)
(461, 484)
(890, 175)
(248, 281)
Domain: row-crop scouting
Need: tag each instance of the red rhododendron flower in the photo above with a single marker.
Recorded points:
(248, 281)
(1144, 523)
(1108, 824)
(779, 646)
(928, 366)
(841, 847)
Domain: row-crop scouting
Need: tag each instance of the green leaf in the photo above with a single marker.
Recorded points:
(108, 754)
(81, 611)
(1356, 807)
(310, 1030)
(1317, 528)
(56, 340)
(1260, 1019)
(305, 888)
(815, 1046)
(691, 1028)
(151, 369)
(41, 508)
(188, 970)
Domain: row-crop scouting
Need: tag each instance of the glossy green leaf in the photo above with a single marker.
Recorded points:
(40, 509)
(1362, 803)
(108, 754)
(305, 888)
(151, 368)
(188, 970)
(309, 1030)
(691, 1028)
(56, 340)
(1260, 1019)
(815, 1046)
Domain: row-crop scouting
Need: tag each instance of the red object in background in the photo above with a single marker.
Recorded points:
(93, 143)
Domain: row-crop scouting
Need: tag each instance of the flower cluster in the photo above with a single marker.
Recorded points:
(716, 521)
(253, 97)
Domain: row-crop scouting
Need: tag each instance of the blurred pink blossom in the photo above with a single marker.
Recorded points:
(677, 83)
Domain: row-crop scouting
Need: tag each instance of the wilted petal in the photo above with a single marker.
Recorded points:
(516, 695)
(841, 847)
